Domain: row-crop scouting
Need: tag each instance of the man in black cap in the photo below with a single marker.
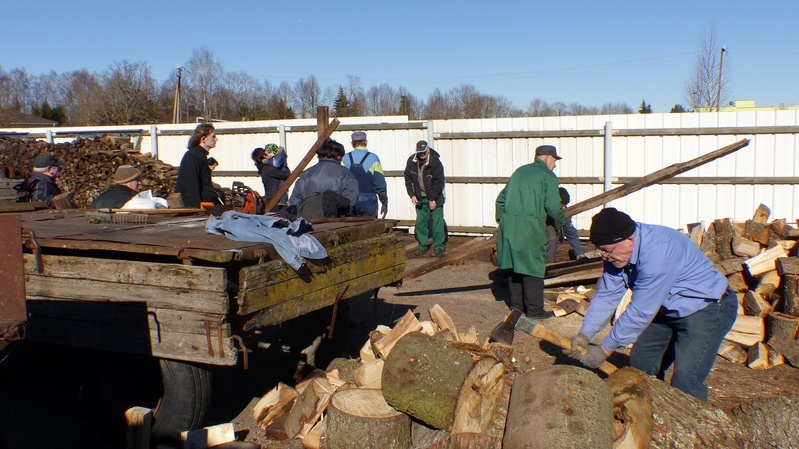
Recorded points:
(366, 168)
(424, 181)
(681, 306)
(41, 184)
(125, 186)
(522, 208)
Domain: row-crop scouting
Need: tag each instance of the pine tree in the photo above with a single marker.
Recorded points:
(645, 108)
(678, 108)
(341, 106)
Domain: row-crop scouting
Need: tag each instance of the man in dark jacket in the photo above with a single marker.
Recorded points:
(522, 208)
(327, 174)
(424, 181)
(194, 175)
(41, 185)
(125, 186)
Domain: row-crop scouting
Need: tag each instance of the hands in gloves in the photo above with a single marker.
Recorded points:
(383, 210)
(589, 355)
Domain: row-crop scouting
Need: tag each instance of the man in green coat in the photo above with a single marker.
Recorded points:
(521, 211)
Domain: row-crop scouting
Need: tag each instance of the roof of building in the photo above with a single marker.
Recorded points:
(16, 119)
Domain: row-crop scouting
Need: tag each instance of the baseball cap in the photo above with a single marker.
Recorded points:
(547, 150)
(358, 135)
(47, 160)
(421, 146)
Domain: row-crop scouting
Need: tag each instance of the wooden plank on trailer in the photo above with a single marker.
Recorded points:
(264, 285)
(91, 290)
(171, 275)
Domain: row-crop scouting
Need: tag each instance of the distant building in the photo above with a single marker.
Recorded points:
(14, 119)
(748, 105)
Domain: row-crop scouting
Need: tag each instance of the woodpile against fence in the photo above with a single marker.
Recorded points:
(89, 165)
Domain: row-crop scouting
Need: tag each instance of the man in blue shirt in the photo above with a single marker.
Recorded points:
(681, 306)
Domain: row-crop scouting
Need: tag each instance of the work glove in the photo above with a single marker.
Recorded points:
(594, 357)
(383, 210)
(579, 341)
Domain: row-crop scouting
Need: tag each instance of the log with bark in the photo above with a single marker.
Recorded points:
(445, 387)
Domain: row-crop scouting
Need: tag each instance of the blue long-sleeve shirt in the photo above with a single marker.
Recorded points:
(667, 273)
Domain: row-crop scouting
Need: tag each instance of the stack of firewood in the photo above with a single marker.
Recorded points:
(89, 165)
(757, 256)
(425, 370)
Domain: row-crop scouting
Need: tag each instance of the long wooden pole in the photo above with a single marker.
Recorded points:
(303, 163)
(624, 190)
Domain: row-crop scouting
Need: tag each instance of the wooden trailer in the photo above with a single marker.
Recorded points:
(166, 289)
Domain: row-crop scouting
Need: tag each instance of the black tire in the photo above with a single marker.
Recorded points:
(185, 401)
(178, 392)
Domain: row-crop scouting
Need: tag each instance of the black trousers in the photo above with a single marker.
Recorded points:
(526, 293)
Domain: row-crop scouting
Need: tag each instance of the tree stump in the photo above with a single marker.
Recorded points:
(559, 407)
(445, 387)
(361, 418)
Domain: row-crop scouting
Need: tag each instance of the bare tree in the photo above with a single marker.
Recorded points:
(47, 88)
(382, 100)
(15, 90)
(82, 98)
(204, 76)
(437, 106)
(708, 86)
(615, 108)
(356, 96)
(539, 108)
(129, 94)
(307, 93)
(246, 97)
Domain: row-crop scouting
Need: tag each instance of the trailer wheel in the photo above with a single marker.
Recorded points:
(179, 394)
(185, 399)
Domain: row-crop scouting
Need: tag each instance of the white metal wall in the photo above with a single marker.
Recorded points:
(472, 204)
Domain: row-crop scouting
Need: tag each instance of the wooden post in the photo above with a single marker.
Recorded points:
(303, 163)
(139, 421)
(322, 117)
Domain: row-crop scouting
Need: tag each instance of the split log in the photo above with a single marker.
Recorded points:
(274, 404)
(369, 375)
(361, 418)
(732, 352)
(783, 335)
(738, 282)
(565, 307)
(755, 305)
(308, 407)
(745, 248)
(467, 441)
(765, 261)
(444, 322)
(747, 330)
(632, 409)
(407, 324)
(433, 381)
(695, 232)
(208, 436)
(757, 357)
(678, 419)
(788, 268)
(724, 235)
(768, 283)
(761, 214)
(559, 406)
(757, 232)
(730, 266)
(139, 421)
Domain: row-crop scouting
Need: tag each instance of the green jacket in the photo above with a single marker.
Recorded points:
(521, 210)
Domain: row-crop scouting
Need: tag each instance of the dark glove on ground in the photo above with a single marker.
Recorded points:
(383, 210)
(580, 341)
(594, 357)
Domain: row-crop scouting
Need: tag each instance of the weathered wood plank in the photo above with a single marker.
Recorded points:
(269, 286)
(130, 272)
(161, 297)
(324, 297)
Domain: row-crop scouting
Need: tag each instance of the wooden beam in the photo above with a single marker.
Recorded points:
(653, 178)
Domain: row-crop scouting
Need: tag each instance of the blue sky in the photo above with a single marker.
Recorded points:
(571, 51)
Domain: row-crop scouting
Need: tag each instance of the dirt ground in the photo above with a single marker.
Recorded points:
(39, 387)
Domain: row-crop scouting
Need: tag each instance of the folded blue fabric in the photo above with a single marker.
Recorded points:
(288, 237)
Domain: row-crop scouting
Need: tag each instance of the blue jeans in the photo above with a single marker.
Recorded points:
(690, 342)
